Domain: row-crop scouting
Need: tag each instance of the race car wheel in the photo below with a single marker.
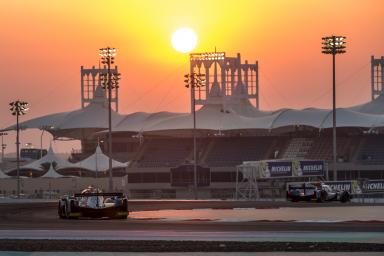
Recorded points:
(345, 197)
(68, 211)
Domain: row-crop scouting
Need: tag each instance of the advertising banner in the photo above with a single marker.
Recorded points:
(270, 169)
(280, 169)
(352, 186)
(340, 185)
(310, 168)
(373, 186)
(287, 168)
(357, 187)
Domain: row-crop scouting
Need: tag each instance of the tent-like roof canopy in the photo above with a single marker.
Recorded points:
(212, 117)
(75, 124)
(50, 158)
(98, 162)
(229, 114)
(51, 173)
(3, 175)
(373, 107)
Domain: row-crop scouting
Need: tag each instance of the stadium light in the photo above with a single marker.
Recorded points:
(109, 81)
(208, 56)
(194, 81)
(334, 45)
(18, 108)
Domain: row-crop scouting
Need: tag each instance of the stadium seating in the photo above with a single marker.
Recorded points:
(166, 152)
(233, 151)
(371, 150)
(322, 149)
(298, 148)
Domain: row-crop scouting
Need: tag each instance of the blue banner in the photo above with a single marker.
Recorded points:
(311, 168)
(280, 169)
(373, 186)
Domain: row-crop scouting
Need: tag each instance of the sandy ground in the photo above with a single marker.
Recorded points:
(328, 214)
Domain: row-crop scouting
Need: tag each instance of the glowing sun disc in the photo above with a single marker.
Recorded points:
(184, 40)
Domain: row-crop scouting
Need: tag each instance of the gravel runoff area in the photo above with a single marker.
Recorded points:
(181, 246)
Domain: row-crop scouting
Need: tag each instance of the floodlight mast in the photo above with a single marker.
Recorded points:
(109, 81)
(334, 45)
(18, 108)
(193, 81)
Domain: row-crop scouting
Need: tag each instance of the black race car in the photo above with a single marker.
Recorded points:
(93, 204)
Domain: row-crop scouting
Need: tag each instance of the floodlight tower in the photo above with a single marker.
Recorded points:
(18, 108)
(228, 80)
(377, 76)
(109, 81)
(193, 81)
(334, 45)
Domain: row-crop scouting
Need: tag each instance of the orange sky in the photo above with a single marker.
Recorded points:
(44, 43)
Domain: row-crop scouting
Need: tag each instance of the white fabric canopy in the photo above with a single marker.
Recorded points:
(50, 157)
(211, 117)
(375, 106)
(228, 114)
(98, 162)
(51, 173)
(93, 116)
(3, 175)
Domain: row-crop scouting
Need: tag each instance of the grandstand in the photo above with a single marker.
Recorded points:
(230, 130)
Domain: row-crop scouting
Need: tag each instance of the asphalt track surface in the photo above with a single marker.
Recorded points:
(43, 216)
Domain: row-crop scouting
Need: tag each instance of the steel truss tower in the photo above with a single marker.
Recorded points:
(229, 78)
(90, 80)
(377, 76)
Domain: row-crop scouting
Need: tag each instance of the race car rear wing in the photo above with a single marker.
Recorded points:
(99, 194)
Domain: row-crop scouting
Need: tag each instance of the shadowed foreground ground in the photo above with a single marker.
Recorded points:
(182, 246)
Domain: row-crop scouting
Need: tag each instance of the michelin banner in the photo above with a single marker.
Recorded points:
(352, 186)
(371, 186)
(287, 168)
(358, 187)
(310, 168)
(280, 169)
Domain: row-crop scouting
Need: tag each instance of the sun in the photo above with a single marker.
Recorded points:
(184, 40)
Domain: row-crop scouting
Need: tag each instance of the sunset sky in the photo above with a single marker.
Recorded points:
(44, 43)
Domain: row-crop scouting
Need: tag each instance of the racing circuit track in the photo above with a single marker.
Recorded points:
(42, 216)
